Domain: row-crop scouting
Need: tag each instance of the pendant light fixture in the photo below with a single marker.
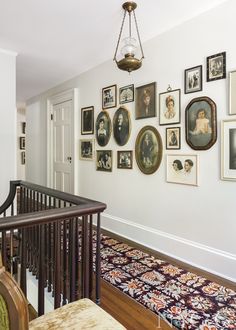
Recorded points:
(130, 45)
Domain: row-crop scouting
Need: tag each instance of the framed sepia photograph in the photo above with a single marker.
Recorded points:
(173, 138)
(232, 92)
(103, 128)
(104, 160)
(228, 150)
(216, 66)
(125, 159)
(23, 127)
(126, 94)
(169, 107)
(22, 142)
(86, 149)
(148, 149)
(193, 79)
(145, 105)
(87, 120)
(182, 169)
(109, 96)
(23, 157)
(121, 126)
(201, 123)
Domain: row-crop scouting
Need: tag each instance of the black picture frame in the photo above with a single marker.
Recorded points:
(216, 66)
(104, 160)
(126, 94)
(109, 97)
(193, 79)
(87, 120)
(22, 142)
(125, 159)
(121, 126)
(145, 101)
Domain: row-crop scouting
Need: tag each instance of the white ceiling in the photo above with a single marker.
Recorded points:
(59, 39)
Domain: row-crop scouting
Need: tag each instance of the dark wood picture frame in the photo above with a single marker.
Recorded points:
(86, 149)
(201, 123)
(148, 149)
(87, 120)
(126, 94)
(216, 66)
(125, 159)
(103, 128)
(193, 79)
(173, 138)
(23, 157)
(145, 101)
(22, 142)
(121, 126)
(104, 160)
(109, 97)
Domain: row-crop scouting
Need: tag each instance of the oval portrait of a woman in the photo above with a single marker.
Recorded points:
(103, 128)
(121, 126)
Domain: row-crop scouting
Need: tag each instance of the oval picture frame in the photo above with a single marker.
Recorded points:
(103, 131)
(121, 126)
(148, 149)
(201, 123)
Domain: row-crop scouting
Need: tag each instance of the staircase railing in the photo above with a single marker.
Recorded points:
(54, 235)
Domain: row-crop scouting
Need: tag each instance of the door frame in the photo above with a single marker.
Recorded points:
(70, 94)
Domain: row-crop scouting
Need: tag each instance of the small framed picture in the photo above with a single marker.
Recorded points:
(87, 120)
(125, 159)
(22, 142)
(169, 107)
(145, 105)
(201, 123)
(126, 94)
(23, 127)
(109, 96)
(103, 128)
(232, 93)
(86, 148)
(193, 79)
(23, 157)
(182, 169)
(173, 138)
(104, 160)
(216, 66)
(121, 126)
(228, 150)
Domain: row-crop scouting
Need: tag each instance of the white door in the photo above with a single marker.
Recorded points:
(62, 146)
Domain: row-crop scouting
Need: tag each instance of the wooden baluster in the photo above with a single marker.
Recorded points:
(73, 259)
(23, 262)
(77, 259)
(85, 257)
(64, 262)
(98, 261)
(57, 263)
(90, 256)
(50, 228)
(4, 249)
(41, 270)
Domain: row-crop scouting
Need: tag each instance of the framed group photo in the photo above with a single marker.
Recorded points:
(228, 150)
(193, 79)
(201, 123)
(103, 128)
(125, 159)
(216, 66)
(87, 120)
(86, 147)
(104, 160)
(169, 107)
(121, 126)
(126, 94)
(182, 169)
(109, 96)
(145, 105)
(173, 138)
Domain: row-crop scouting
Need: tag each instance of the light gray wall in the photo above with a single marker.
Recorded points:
(194, 224)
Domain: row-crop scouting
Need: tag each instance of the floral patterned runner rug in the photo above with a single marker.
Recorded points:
(184, 299)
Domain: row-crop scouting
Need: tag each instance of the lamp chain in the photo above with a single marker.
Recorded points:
(138, 34)
(114, 59)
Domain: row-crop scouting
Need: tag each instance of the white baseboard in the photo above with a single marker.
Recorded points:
(212, 260)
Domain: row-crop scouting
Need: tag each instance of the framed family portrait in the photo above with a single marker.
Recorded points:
(121, 126)
(182, 169)
(201, 123)
(104, 160)
(103, 128)
(22, 142)
(125, 159)
(193, 79)
(126, 94)
(216, 66)
(232, 92)
(169, 107)
(145, 105)
(87, 120)
(86, 149)
(148, 150)
(173, 138)
(109, 96)
(228, 150)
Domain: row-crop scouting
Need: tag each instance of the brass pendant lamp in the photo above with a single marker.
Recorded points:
(129, 62)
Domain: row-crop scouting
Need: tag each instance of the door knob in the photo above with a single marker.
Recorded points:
(69, 159)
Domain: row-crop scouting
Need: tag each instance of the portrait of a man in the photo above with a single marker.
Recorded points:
(121, 126)
(87, 120)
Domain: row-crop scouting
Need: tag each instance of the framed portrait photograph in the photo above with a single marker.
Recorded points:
(121, 126)
(87, 120)
(173, 138)
(228, 150)
(109, 96)
(22, 142)
(103, 128)
(104, 160)
(23, 157)
(126, 94)
(23, 127)
(145, 105)
(201, 123)
(182, 169)
(86, 149)
(148, 150)
(193, 79)
(216, 66)
(169, 107)
(125, 159)
(232, 92)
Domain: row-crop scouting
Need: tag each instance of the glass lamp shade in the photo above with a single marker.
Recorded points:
(129, 47)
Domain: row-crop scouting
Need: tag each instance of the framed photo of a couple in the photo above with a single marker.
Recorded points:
(193, 79)
(182, 169)
(104, 160)
(169, 107)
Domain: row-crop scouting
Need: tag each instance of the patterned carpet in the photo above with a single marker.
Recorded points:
(184, 299)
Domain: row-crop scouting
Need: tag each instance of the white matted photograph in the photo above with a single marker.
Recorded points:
(228, 150)
(232, 92)
(169, 107)
(182, 169)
